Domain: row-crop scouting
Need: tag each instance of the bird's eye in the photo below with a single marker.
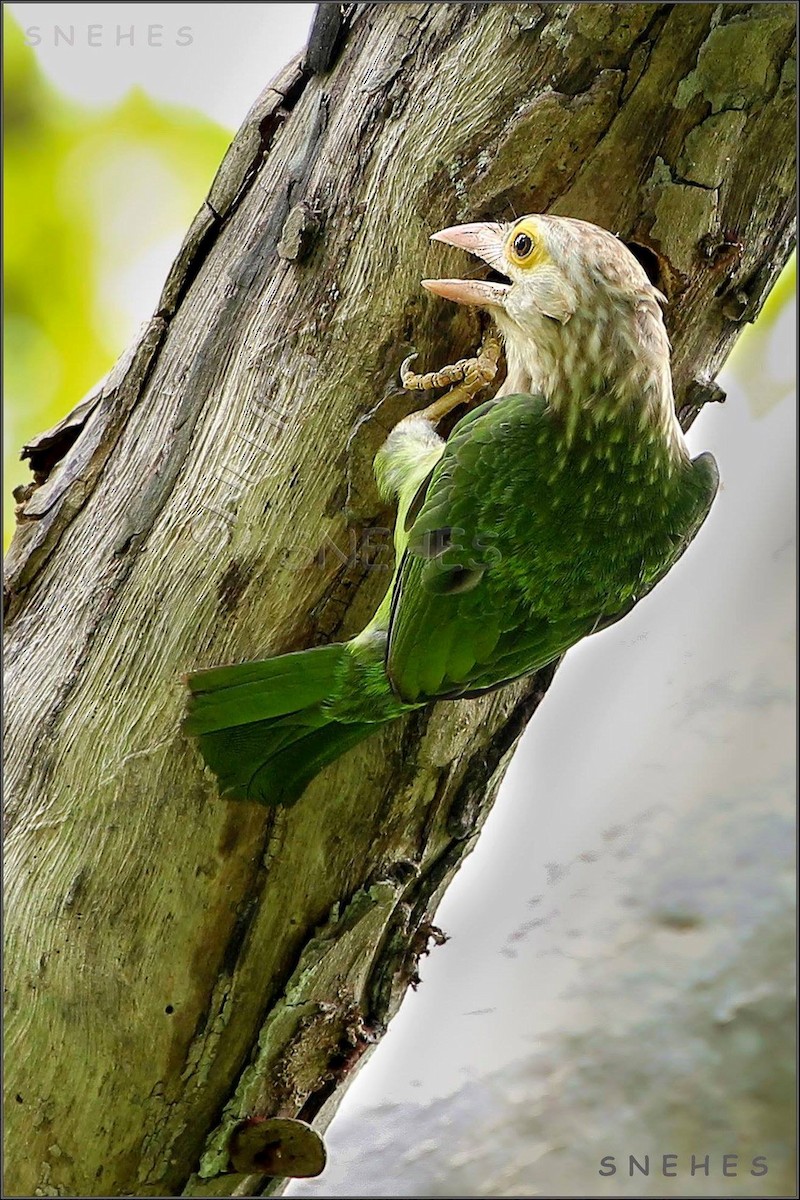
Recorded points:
(523, 244)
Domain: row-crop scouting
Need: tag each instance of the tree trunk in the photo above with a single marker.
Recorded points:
(175, 963)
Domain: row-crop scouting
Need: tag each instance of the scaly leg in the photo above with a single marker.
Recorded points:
(465, 379)
(433, 380)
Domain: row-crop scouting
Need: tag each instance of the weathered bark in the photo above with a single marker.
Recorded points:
(173, 962)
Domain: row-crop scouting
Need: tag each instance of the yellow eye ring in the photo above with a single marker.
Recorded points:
(525, 247)
(522, 246)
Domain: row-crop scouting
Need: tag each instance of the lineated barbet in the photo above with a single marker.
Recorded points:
(547, 513)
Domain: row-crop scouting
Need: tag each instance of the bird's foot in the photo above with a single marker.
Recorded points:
(433, 380)
(464, 378)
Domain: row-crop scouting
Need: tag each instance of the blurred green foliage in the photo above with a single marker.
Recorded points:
(95, 201)
(762, 361)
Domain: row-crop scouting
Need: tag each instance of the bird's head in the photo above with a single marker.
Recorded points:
(577, 312)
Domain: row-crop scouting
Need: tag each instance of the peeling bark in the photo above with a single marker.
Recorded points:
(175, 963)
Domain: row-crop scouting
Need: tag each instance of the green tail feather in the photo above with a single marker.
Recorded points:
(261, 726)
(254, 691)
(274, 761)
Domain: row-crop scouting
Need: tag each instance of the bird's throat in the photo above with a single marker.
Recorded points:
(593, 376)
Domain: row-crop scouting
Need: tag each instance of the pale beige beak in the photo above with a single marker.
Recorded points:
(467, 291)
(483, 239)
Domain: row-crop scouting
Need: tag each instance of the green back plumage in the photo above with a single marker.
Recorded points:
(529, 538)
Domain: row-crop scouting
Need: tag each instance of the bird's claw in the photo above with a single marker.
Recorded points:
(466, 378)
(407, 377)
(446, 377)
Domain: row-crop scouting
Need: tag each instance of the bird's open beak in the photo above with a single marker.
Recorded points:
(485, 240)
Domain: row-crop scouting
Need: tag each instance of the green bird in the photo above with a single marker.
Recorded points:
(546, 515)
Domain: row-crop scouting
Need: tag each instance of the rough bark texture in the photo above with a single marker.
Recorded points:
(175, 963)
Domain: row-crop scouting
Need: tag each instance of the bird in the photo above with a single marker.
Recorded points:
(548, 512)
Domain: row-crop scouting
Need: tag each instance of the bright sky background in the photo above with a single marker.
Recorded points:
(235, 50)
